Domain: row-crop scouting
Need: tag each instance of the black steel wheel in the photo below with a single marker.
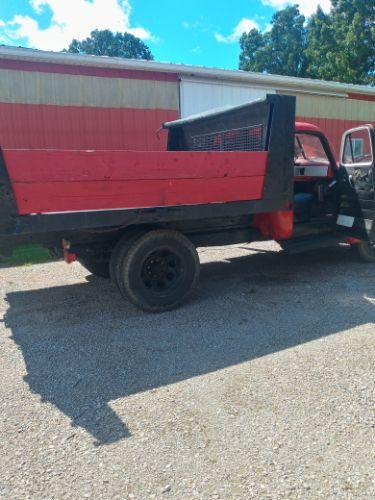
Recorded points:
(365, 250)
(159, 271)
(99, 266)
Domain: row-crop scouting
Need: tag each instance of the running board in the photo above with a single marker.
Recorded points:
(311, 243)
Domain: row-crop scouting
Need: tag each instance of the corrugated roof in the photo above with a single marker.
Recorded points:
(258, 79)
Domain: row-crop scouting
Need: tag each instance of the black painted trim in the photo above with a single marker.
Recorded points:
(42, 223)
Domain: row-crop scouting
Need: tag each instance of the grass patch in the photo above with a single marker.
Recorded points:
(27, 255)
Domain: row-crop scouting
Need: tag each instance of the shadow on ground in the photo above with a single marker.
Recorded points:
(84, 346)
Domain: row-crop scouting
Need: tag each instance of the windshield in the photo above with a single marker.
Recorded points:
(309, 148)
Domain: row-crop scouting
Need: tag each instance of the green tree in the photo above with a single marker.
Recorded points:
(250, 57)
(280, 50)
(338, 46)
(341, 45)
(354, 22)
(322, 47)
(106, 43)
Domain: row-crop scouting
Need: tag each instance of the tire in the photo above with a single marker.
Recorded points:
(119, 252)
(159, 271)
(97, 266)
(365, 251)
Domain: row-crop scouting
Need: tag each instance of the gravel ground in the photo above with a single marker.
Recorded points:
(260, 387)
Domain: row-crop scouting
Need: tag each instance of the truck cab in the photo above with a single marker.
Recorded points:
(315, 169)
(337, 197)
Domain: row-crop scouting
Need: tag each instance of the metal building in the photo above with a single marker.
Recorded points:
(59, 100)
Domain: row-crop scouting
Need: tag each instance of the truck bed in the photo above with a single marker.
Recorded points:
(233, 163)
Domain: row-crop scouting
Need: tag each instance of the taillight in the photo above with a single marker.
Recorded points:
(69, 256)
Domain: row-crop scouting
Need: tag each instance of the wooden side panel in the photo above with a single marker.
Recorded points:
(80, 166)
(67, 197)
(63, 181)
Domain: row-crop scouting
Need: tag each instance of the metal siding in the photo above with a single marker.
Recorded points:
(334, 115)
(333, 129)
(321, 106)
(362, 97)
(197, 95)
(79, 69)
(73, 127)
(78, 90)
(75, 111)
(54, 62)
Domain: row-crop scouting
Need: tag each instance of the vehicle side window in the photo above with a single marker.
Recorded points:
(357, 148)
(309, 148)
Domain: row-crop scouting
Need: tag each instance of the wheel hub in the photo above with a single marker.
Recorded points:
(156, 268)
(161, 270)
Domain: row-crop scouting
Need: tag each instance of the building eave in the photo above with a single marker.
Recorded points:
(287, 83)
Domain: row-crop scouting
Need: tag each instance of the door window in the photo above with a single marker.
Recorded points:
(357, 148)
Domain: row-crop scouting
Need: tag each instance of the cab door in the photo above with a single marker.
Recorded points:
(356, 184)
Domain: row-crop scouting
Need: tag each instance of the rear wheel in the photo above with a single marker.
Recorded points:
(159, 271)
(365, 250)
(99, 266)
(119, 252)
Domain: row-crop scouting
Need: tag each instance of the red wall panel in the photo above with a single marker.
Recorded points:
(35, 126)
(333, 129)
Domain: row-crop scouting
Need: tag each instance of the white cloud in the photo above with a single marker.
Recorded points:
(4, 39)
(73, 19)
(268, 27)
(306, 7)
(245, 25)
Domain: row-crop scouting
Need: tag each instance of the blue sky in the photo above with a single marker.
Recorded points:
(199, 32)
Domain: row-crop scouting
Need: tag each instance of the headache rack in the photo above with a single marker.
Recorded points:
(238, 128)
(262, 125)
(240, 139)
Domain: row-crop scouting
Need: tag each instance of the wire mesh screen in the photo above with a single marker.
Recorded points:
(240, 139)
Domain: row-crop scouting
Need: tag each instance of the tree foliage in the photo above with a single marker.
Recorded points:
(107, 43)
(278, 50)
(337, 46)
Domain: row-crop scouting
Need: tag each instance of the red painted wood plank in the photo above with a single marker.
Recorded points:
(76, 69)
(76, 196)
(65, 166)
(36, 126)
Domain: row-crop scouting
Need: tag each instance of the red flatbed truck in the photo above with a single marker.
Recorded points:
(242, 174)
